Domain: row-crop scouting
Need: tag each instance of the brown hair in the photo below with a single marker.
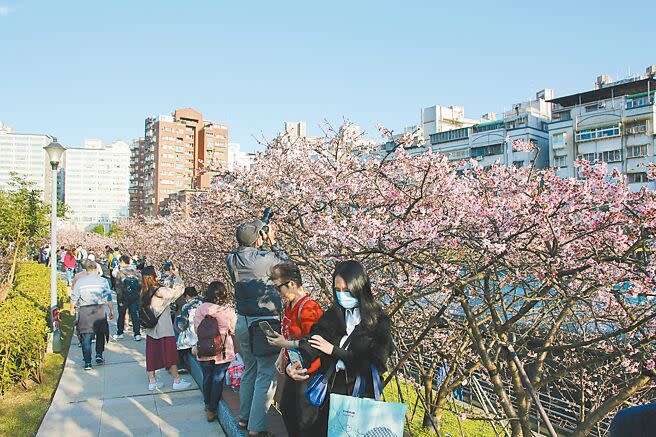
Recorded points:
(149, 285)
(216, 292)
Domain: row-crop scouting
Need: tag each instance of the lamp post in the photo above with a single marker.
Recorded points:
(55, 152)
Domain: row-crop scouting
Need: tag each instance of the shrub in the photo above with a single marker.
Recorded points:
(24, 325)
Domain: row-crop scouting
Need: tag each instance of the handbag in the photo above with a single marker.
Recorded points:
(316, 391)
(260, 347)
(358, 416)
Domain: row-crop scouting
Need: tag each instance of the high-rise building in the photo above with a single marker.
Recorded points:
(179, 152)
(613, 123)
(23, 154)
(96, 183)
(137, 176)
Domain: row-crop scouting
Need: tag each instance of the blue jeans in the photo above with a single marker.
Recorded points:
(86, 345)
(70, 274)
(133, 310)
(258, 382)
(213, 382)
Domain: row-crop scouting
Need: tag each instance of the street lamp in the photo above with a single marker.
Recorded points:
(55, 152)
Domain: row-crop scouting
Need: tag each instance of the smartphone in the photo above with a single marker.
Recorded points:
(268, 330)
(295, 357)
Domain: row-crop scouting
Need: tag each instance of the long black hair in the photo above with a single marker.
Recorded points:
(358, 284)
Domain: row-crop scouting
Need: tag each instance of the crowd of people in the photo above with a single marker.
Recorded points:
(270, 320)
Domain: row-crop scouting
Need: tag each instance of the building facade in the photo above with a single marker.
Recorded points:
(238, 159)
(488, 140)
(23, 154)
(96, 183)
(614, 123)
(178, 153)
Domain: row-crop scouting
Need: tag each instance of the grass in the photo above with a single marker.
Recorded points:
(22, 409)
(449, 427)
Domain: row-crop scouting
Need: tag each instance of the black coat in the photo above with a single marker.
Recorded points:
(368, 346)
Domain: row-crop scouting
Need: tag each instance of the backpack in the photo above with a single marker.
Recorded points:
(131, 288)
(210, 342)
(114, 262)
(147, 316)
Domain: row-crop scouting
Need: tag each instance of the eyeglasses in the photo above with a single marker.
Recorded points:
(283, 285)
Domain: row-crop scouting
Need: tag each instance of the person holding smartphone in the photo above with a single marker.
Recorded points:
(354, 333)
(301, 314)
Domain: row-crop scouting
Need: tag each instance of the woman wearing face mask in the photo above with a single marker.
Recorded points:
(352, 334)
(301, 314)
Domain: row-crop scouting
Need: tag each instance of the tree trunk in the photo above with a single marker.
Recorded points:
(6, 286)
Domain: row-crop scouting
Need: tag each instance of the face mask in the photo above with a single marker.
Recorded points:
(346, 300)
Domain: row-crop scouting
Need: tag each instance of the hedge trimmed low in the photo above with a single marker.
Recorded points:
(24, 325)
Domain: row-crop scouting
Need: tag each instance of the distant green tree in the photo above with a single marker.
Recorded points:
(98, 229)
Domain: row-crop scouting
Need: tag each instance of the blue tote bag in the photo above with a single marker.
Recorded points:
(355, 416)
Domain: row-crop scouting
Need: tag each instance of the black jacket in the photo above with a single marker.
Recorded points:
(368, 346)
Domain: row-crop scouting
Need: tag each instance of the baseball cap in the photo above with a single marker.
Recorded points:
(248, 232)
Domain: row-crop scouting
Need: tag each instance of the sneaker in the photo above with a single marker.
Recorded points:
(118, 336)
(182, 371)
(153, 385)
(87, 366)
(181, 385)
(99, 359)
(137, 338)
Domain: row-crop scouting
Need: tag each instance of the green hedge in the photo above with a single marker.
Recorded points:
(24, 324)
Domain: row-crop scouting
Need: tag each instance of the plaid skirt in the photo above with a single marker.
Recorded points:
(161, 353)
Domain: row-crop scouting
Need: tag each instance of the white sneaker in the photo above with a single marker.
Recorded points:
(118, 336)
(153, 385)
(137, 338)
(181, 385)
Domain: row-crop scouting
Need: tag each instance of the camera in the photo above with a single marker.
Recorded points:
(266, 218)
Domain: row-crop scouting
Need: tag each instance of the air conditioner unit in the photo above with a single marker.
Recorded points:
(602, 105)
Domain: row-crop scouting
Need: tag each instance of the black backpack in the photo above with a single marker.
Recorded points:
(210, 343)
(131, 289)
(147, 316)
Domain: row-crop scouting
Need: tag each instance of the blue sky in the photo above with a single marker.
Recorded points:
(87, 69)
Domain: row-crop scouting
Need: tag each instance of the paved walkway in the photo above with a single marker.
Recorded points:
(113, 398)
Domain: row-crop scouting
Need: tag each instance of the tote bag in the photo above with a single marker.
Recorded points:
(355, 416)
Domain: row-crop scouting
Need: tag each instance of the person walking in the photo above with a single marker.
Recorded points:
(70, 263)
(256, 299)
(90, 296)
(215, 366)
(351, 336)
(301, 314)
(161, 351)
(127, 283)
(184, 324)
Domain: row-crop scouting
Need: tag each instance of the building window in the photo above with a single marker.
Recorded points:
(637, 151)
(611, 156)
(458, 154)
(597, 133)
(591, 157)
(637, 100)
(635, 178)
(636, 127)
(518, 164)
(560, 161)
(488, 126)
(559, 140)
(494, 149)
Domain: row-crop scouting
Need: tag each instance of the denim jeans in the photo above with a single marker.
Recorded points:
(70, 274)
(133, 310)
(258, 382)
(86, 345)
(213, 382)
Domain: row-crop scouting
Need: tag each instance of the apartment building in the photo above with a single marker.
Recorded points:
(23, 154)
(488, 139)
(613, 123)
(96, 183)
(179, 152)
(238, 158)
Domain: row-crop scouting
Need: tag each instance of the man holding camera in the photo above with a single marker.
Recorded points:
(257, 300)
